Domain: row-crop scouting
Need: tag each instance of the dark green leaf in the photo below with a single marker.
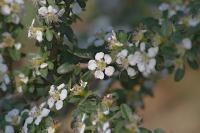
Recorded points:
(179, 74)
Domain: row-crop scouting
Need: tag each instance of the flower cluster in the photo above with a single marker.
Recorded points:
(35, 115)
(13, 8)
(132, 57)
(186, 19)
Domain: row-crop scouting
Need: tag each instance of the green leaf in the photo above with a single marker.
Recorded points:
(123, 37)
(179, 74)
(65, 68)
(82, 53)
(144, 130)
(15, 54)
(49, 35)
(167, 28)
(126, 112)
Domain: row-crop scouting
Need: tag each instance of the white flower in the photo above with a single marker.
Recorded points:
(50, 14)
(13, 117)
(112, 40)
(76, 9)
(9, 129)
(36, 114)
(100, 65)
(187, 43)
(125, 61)
(57, 96)
(6, 10)
(35, 32)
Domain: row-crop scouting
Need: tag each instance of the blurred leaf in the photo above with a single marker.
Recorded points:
(65, 68)
(179, 74)
(126, 112)
(49, 35)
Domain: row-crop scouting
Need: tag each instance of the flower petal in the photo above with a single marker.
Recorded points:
(59, 104)
(63, 94)
(99, 74)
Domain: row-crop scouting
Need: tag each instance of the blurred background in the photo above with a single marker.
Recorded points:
(175, 107)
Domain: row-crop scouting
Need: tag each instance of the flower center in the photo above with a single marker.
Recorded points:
(101, 65)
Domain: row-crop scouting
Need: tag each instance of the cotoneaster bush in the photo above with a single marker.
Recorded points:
(61, 75)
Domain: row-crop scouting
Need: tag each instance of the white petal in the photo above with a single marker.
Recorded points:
(9, 129)
(38, 120)
(152, 63)
(142, 47)
(43, 65)
(59, 104)
(42, 11)
(187, 43)
(99, 74)
(152, 52)
(6, 79)
(109, 70)
(107, 59)
(124, 53)
(108, 131)
(51, 130)
(3, 68)
(132, 59)
(99, 56)
(39, 35)
(45, 112)
(92, 65)
(61, 86)
(141, 66)
(63, 94)
(5, 10)
(29, 120)
(106, 126)
(51, 102)
(18, 46)
(82, 128)
(76, 9)
(131, 72)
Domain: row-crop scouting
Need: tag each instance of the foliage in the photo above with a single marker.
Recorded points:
(61, 74)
